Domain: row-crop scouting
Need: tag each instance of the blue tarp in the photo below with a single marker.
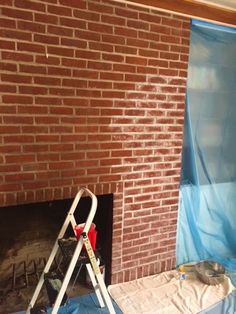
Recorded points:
(86, 304)
(226, 306)
(207, 208)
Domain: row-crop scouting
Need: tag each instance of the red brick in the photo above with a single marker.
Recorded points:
(100, 8)
(136, 60)
(126, 50)
(169, 56)
(9, 187)
(74, 23)
(61, 165)
(105, 110)
(99, 27)
(32, 109)
(86, 15)
(46, 18)
(113, 39)
(86, 74)
(113, 94)
(46, 120)
(17, 99)
(21, 158)
(30, 5)
(19, 139)
(135, 78)
(58, 30)
(34, 148)
(149, 36)
(15, 34)
(47, 60)
(48, 100)
(168, 72)
(151, 18)
(126, 13)
(15, 78)
(67, 52)
(100, 84)
(137, 43)
(111, 76)
(32, 69)
(113, 20)
(87, 35)
(31, 47)
(73, 42)
(16, 56)
(6, 45)
(171, 22)
(9, 149)
(35, 90)
(74, 63)
(170, 39)
(160, 29)
(8, 23)
(85, 54)
(18, 120)
(7, 2)
(6, 88)
(74, 3)
(61, 91)
(127, 32)
(46, 39)
(74, 83)
(31, 26)
(8, 67)
(47, 80)
(138, 24)
(59, 10)
(61, 110)
(18, 14)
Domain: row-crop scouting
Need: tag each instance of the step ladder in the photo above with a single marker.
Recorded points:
(92, 267)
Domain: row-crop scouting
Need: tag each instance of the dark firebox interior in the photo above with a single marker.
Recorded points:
(27, 234)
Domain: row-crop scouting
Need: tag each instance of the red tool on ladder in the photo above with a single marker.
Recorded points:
(92, 266)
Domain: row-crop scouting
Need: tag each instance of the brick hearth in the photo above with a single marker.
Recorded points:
(93, 95)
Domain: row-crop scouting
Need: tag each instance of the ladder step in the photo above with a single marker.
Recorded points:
(53, 282)
(68, 245)
(39, 309)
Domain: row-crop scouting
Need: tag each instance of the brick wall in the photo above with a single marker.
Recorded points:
(92, 95)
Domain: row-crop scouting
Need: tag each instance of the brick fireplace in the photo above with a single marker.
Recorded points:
(93, 95)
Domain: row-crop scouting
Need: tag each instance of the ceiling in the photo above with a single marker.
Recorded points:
(228, 4)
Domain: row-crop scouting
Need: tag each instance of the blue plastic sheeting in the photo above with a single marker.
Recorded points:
(86, 304)
(207, 209)
(227, 305)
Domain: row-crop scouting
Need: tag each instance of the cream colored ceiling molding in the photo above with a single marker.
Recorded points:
(223, 4)
(200, 9)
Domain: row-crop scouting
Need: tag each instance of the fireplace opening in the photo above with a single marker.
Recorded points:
(27, 235)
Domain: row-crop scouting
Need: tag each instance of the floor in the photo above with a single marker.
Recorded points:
(86, 304)
(18, 300)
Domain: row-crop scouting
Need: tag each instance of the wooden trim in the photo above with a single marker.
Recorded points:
(190, 8)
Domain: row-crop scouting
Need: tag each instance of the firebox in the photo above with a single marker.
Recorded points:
(27, 234)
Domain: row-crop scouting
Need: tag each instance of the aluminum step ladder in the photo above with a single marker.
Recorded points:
(92, 267)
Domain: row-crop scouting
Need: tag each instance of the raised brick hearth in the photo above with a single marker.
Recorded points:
(92, 94)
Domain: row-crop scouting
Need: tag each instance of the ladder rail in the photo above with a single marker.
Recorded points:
(98, 275)
(69, 220)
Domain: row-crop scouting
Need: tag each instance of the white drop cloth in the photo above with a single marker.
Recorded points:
(166, 294)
